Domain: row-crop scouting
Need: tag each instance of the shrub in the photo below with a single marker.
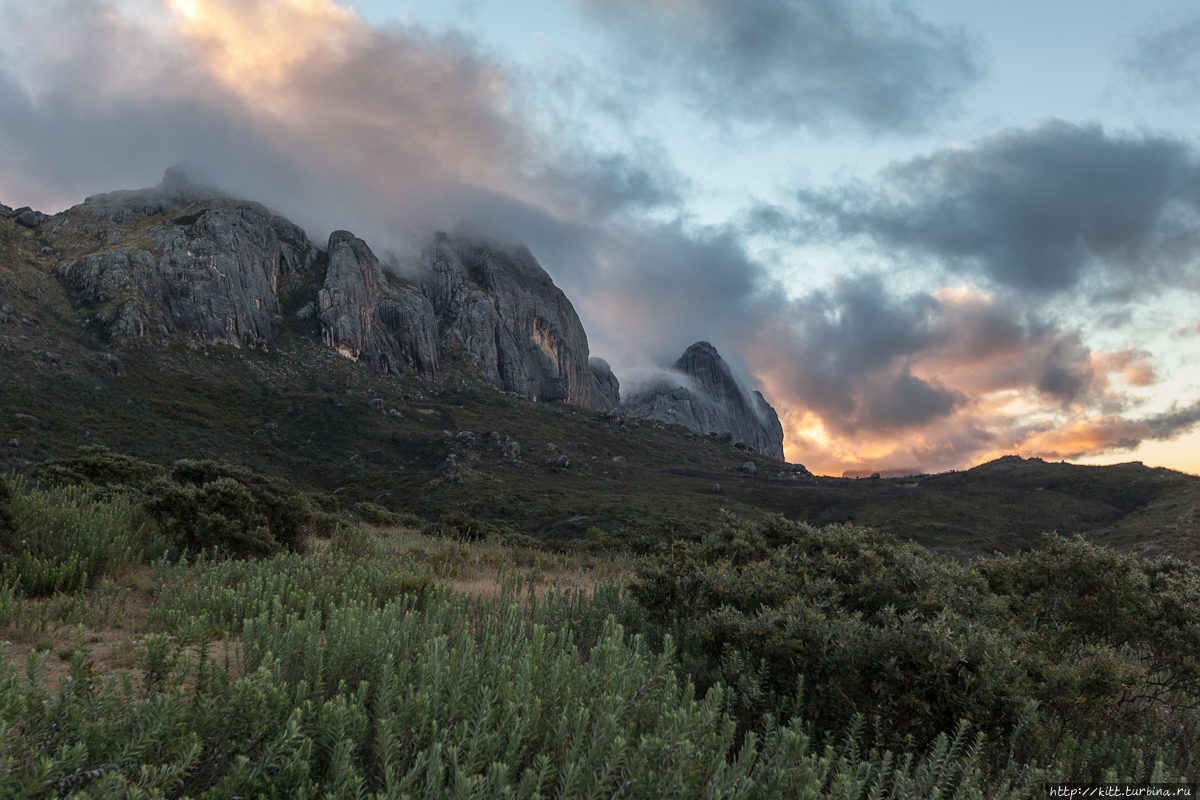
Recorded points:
(63, 540)
(458, 525)
(98, 466)
(323, 502)
(1107, 634)
(205, 504)
(873, 626)
(378, 515)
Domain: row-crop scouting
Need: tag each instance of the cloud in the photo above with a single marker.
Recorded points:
(1039, 210)
(816, 63)
(1102, 435)
(297, 103)
(393, 132)
(1169, 57)
(868, 378)
(1187, 330)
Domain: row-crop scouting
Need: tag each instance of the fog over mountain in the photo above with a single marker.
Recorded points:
(980, 288)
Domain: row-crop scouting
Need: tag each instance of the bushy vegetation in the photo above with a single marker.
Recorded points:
(64, 539)
(378, 515)
(201, 504)
(745, 659)
(1065, 641)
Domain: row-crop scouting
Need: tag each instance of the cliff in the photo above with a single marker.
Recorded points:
(701, 393)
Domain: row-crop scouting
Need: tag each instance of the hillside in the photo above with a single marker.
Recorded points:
(296, 408)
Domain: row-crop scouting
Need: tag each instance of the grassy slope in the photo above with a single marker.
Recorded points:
(221, 402)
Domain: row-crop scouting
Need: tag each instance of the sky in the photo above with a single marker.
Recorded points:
(931, 233)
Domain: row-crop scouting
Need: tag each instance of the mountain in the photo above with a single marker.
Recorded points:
(701, 393)
(186, 263)
(178, 322)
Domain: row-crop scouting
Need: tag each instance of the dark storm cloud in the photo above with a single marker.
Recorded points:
(793, 62)
(1037, 210)
(1169, 57)
(907, 401)
(1172, 423)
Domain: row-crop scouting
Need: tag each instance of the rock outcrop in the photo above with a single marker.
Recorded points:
(365, 316)
(177, 261)
(606, 392)
(501, 308)
(184, 261)
(701, 393)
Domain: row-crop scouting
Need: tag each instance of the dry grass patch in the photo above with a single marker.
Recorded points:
(106, 622)
(490, 569)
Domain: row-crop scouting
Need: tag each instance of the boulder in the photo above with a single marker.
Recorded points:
(562, 462)
(377, 404)
(29, 218)
(749, 468)
(376, 456)
(511, 450)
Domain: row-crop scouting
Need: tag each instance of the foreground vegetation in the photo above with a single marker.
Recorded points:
(274, 644)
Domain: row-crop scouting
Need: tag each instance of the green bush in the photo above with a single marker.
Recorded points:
(96, 465)
(1107, 637)
(323, 502)
(463, 527)
(914, 644)
(208, 504)
(440, 703)
(872, 626)
(378, 515)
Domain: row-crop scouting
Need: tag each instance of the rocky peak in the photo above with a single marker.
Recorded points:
(506, 315)
(701, 393)
(365, 317)
(178, 261)
(183, 260)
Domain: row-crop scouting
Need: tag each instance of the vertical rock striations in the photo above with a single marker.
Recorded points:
(505, 313)
(365, 317)
(185, 261)
(701, 393)
(606, 392)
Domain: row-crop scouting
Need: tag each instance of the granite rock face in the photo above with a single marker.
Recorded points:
(177, 261)
(701, 393)
(184, 261)
(365, 317)
(505, 313)
(606, 392)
